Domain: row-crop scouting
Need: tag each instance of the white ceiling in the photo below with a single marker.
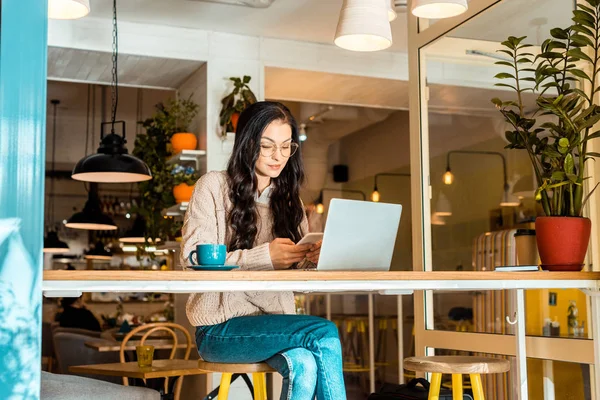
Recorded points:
(316, 20)
(531, 18)
(96, 67)
(301, 20)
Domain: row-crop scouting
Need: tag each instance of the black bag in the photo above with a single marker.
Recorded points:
(410, 391)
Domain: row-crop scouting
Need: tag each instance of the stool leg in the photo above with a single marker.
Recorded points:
(224, 387)
(264, 383)
(259, 389)
(457, 389)
(434, 388)
(477, 387)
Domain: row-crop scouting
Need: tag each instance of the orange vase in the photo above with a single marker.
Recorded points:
(183, 141)
(183, 192)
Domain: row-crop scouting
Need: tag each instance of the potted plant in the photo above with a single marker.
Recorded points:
(184, 179)
(234, 103)
(156, 194)
(178, 115)
(557, 147)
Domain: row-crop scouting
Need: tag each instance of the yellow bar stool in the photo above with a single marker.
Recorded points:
(258, 370)
(457, 366)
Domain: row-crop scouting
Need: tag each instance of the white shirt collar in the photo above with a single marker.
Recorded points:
(264, 197)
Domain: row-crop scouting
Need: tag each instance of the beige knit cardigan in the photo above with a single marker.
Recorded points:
(206, 222)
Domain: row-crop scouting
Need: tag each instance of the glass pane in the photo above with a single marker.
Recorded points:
(557, 313)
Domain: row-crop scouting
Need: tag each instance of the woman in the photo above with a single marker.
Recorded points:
(255, 209)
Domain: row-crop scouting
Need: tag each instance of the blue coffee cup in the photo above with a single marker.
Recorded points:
(209, 254)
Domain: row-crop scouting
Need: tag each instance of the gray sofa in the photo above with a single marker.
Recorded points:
(70, 387)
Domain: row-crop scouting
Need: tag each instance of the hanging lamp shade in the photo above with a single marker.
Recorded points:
(438, 9)
(525, 187)
(68, 9)
(52, 244)
(392, 15)
(442, 206)
(92, 217)
(111, 164)
(364, 26)
(99, 252)
(137, 233)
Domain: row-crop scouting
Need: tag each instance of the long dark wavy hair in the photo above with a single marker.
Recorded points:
(285, 203)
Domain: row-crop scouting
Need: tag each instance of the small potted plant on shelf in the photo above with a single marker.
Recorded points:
(558, 146)
(234, 103)
(180, 114)
(184, 179)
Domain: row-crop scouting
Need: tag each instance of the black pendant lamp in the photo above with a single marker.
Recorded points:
(52, 244)
(99, 252)
(92, 217)
(112, 163)
(137, 233)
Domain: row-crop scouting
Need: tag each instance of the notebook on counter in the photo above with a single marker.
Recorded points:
(516, 268)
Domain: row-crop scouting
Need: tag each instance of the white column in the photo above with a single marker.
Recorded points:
(520, 345)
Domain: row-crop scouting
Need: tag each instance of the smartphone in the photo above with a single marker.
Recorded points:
(311, 238)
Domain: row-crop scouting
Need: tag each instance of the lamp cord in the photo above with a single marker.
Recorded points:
(87, 120)
(115, 79)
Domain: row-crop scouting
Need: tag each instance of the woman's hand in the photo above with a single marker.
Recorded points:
(284, 253)
(314, 252)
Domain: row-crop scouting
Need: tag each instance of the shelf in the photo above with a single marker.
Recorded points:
(186, 156)
(169, 245)
(178, 210)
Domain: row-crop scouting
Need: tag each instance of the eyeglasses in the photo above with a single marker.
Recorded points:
(286, 150)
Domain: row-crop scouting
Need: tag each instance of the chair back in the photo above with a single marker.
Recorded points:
(148, 329)
(70, 350)
(171, 329)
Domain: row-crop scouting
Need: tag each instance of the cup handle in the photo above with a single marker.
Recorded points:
(191, 257)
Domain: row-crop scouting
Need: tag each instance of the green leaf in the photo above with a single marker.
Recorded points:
(587, 16)
(551, 55)
(563, 142)
(593, 136)
(505, 85)
(592, 154)
(582, 29)
(559, 33)
(505, 63)
(504, 75)
(582, 40)
(497, 102)
(584, 22)
(586, 8)
(558, 176)
(578, 53)
(569, 164)
(247, 79)
(580, 74)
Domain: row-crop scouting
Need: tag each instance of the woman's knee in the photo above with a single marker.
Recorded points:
(302, 368)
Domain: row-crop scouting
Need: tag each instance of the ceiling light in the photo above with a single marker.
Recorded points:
(392, 11)
(137, 234)
(448, 177)
(99, 252)
(364, 26)
(68, 9)
(438, 9)
(112, 164)
(442, 206)
(302, 134)
(52, 244)
(509, 200)
(375, 197)
(92, 217)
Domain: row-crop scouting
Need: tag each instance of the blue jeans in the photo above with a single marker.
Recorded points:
(304, 349)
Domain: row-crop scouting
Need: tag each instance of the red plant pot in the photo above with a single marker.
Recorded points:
(562, 242)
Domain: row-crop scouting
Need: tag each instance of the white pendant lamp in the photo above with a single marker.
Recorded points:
(364, 26)
(392, 15)
(438, 9)
(68, 9)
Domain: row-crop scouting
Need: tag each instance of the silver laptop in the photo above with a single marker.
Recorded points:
(359, 236)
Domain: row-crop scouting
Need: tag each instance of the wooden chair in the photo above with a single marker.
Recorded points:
(258, 371)
(149, 329)
(457, 366)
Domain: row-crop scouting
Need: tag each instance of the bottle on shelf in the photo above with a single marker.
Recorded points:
(572, 319)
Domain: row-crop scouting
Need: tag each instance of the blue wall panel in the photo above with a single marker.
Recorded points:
(23, 65)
